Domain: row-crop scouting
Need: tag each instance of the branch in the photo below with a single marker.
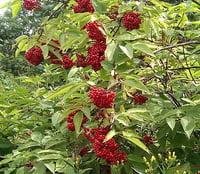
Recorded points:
(198, 3)
(185, 68)
(177, 45)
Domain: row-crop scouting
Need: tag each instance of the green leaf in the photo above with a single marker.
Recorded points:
(72, 72)
(183, 168)
(135, 141)
(51, 31)
(128, 50)
(78, 118)
(69, 89)
(20, 170)
(37, 137)
(86, 112)
(73, 90)
(50, 157)
(45, 50)
(107, 65)
(55, 119)
(110, 134)
(99, 6)
(110, 50)
(144, 48)
(188, 125)
(28, 145)
(16, 8)
(171, 122)
(135, 83)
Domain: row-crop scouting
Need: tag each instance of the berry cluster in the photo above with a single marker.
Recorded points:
(67, 62)
(106, 150)
(147, 139)
(34, 55)
(113, 12)
(31, 4)
(139, 98)
(70, 120)
(131, 21)
(84, 151)
(83, 6)
(96, 55)
(100, 115)
(96, 51)
(93, 31)
(102, 98)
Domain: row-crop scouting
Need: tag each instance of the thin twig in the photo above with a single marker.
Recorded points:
(198, 3)
(184, 68)
(176, 45)
(188, 65)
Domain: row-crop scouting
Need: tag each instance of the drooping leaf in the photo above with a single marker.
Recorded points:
(78, 118)
(110, 50)
(171, 122)
(135, 83)
(188, 125)
(143, 48)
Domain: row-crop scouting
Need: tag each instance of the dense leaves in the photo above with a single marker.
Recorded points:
(119, 91)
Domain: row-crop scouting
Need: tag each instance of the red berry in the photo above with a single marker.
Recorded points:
(83, 6)
(93, 31)
(147, 139)
(113, 12)
(71, 126)
(102, 98)
(67, 62)
(84, 151)
(106, 150)
(140, 100)
(131, 21)
(34, 55)
(31, 4)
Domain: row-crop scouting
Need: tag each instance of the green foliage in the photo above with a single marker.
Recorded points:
(161, 59)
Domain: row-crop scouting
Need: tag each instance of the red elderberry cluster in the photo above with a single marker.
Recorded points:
(147, 139)
(96, 51)
(83, 6)
(70, 126)
(96, 55)
(100, 115)
(139, 98)
(34, 55)
(131, 21)
(31, 4)
(102, 98)
(93, 31)
(108, 150)
(67, 62)
(84, 151)
(113, 12)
